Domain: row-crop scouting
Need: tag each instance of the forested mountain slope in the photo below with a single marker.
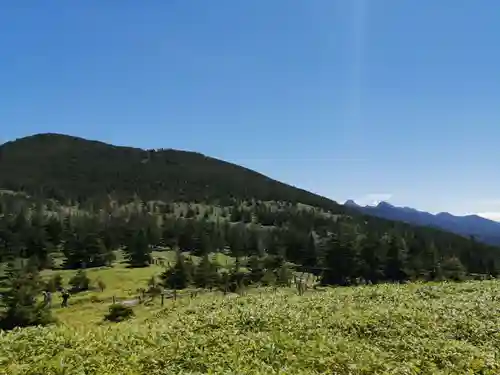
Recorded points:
(62, 167)
(80, 200)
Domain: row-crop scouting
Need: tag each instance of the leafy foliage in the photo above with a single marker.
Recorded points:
(430, 329)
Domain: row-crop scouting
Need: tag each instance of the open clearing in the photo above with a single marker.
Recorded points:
(442, 328)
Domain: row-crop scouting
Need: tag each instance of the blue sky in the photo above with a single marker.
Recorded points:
(362, 99)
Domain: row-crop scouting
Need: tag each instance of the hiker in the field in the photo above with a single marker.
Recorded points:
(47, 298)
(65, 297)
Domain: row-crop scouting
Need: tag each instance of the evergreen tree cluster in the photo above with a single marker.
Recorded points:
(78, 201)
(65, 168)
(19, 307)
(342, 249)
(206, 274)
(82, 200)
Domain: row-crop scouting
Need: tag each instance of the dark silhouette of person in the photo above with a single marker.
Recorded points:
(65, 297)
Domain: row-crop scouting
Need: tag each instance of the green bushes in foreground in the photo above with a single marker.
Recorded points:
(442, 328)
(119, 313)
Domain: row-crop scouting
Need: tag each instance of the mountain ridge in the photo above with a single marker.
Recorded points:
(482, 229)
(63, 166)
(83, 199)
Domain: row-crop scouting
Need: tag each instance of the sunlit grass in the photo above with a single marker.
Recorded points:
(443, 328)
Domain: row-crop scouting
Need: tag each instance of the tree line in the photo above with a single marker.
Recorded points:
(339, 248)
(66, 168)
(267, 241)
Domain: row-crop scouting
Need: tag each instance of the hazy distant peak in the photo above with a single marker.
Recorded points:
(351, 203)
(482, 228)
(384, 204)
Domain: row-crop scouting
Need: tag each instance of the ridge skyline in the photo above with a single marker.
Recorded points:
(493, 216)
(369, 199)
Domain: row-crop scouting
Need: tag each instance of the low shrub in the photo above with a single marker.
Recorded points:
(118, 313)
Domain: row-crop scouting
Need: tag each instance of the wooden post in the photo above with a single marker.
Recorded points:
(114, 300)
(175, 294)
(162, 299)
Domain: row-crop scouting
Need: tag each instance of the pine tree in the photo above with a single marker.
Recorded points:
(186, 236)
(205, 274)
(37, 244)
(432, 262)
(138, 250)
(73, 250)
(54, 230)
(19, 305)
(372, 259)
(284, 275)
(310, 256)
(396, 267)
(256, 267)
(178, 276)
(96, 254)
(341, 261)
(236, 279)
(236, 240)
(79, 282)
(453, 269)
(153, 234)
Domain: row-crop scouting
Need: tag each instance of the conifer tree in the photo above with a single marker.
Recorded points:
(396, 268)
(95, 254)
(79, 282)
(256, 267)
(205, 274)
(432, 262)
(372, 259)
(453, 269)
(284, 275)
(138, 250)
(237, 278)
(340, 261)
(73, 250)
(178, 276)
(310, 256)
(20, 307)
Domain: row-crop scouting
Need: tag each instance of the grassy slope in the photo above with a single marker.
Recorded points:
(405, 329)
(121, 282)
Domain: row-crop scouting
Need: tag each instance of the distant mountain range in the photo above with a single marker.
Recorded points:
(484, 230)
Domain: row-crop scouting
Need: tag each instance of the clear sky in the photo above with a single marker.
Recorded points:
(362, 99)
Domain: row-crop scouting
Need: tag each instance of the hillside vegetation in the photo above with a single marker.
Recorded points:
(80, 200)
(386, 329)
(64, 167)
(211, 268)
